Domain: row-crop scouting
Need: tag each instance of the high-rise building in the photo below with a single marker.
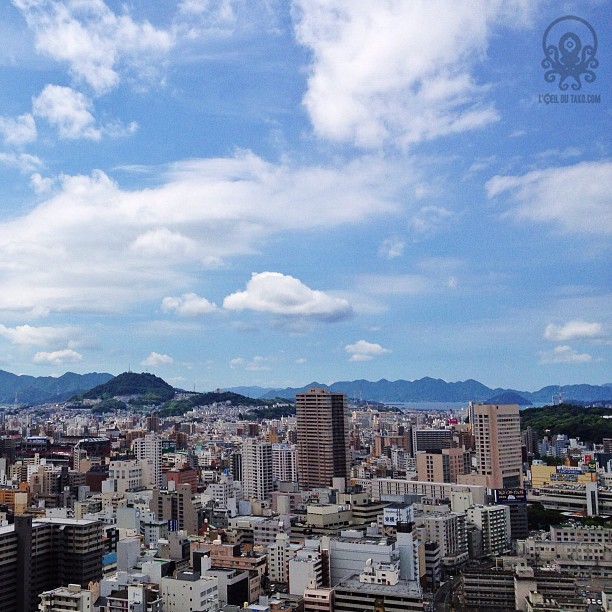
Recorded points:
(322, 437)
(257, 482)
(284, 465)
(497, 434)
(149, 449)
(43, 554)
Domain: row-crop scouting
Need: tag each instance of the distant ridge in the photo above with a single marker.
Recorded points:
(437, 390)
(46, 389)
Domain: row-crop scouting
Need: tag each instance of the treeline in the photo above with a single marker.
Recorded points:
(586, 423)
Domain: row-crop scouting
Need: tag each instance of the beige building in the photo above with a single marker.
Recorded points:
(322, 437)
(443, 465)
(497, 436)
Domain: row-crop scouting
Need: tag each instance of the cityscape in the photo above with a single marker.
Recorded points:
(133, 495)
(305, 305)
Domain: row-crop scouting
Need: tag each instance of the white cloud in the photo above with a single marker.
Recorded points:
(259, 364)
(564, 354)
(156, 359)
(28, 335)
(67, 110)
(236, 362)
(24, 162)
(19, 130)
(573, 330)
(429, 219)
(392, 247)
(364, 351)
(188, 305)
(397, 71)
(574, 198)
(71, 113)
(60, 357)
(285, 295)
(91, 246)
(98, 45)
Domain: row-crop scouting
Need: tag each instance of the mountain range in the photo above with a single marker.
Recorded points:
(437, 390)
(25, 389)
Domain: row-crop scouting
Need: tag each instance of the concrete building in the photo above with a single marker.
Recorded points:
(305, 571)
(442, 465)
(585, 551)
(149, 449)
(66, 599)
(189, 592)
(177, 506)
(497, 435)
(431, 439)
(322, 437)
(123, 475)
(284, 463)
(378, 587)
(43, 554)
(257, 482)
(448, 530)
(494, 525)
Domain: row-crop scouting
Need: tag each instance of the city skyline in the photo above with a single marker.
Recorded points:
(265, 193)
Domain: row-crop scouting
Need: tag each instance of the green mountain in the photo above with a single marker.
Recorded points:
(149, 387)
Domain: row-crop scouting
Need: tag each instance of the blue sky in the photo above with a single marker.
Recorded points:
(228, 192)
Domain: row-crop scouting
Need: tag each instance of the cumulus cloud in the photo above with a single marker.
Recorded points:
(156, 359)
(28, 335)
(67, 110)
(573, 330)
(396, 71)
(564, 354)
(91, 246)
(576, 198)
(19, 130)
(71, 113)
(364, 351)
(282, 294)
(188, 305)
(60, 357)
(97, 44)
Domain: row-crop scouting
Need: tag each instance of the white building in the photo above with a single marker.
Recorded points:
(257, 480)
(305, 571)
(284, 464)
(123, 475)
(494, 523)
(149, 449)
(190, 592)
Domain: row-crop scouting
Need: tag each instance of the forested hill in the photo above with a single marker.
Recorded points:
(148, 386)
(582, 422)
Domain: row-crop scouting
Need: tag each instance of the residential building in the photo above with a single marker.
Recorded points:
(442, 465)
(322, 437)
(257, 481)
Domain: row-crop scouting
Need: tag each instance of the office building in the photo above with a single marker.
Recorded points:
(442, 465)
(322, 437)
(497, 435)
(431, 439)
(177, 507)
